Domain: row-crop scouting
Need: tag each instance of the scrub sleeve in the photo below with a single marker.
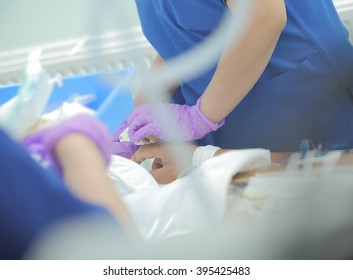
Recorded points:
(31, 200)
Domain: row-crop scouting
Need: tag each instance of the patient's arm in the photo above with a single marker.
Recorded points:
(165, 169)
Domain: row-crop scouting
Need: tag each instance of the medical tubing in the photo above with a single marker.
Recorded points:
(24, 110)
(29, 82)
(192, 62)
(187, 66)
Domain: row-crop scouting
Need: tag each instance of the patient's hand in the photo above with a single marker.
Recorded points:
(165, 168)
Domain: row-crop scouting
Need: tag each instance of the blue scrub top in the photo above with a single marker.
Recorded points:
(31, 200)
(304, 92)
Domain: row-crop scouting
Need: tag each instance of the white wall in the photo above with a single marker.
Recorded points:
(25, 23)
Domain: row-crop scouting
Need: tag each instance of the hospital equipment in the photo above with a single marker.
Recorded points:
(304, 205)
(24, 110)
(99, 93)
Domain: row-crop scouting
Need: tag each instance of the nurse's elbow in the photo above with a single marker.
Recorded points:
(278, 19)
(273, 27)
(281, 21)
(272, 18)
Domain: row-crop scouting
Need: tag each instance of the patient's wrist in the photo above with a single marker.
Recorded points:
(201, 154)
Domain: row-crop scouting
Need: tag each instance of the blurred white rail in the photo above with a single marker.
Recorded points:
(82, 55)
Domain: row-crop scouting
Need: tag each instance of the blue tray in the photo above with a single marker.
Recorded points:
(113, 102)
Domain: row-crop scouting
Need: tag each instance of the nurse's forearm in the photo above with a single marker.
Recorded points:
(241, 66)
(84, 172)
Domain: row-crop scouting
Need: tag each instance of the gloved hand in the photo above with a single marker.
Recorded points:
(42, 143)
(124, 149)
(186, 122)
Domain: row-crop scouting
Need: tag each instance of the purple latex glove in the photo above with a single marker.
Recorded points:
(42, 143)
(186, 122)
(124, 149)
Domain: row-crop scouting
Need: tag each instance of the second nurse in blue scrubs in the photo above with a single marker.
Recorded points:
(290, 76)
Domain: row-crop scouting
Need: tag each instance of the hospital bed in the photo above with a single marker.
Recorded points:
(305, 208)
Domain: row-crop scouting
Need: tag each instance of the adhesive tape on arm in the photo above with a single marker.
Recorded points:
(202, 154)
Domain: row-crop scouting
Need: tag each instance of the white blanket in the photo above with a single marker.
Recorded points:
(187, 204)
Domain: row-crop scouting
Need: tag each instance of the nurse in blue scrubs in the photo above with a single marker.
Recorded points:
(289, 78)
(32, 200)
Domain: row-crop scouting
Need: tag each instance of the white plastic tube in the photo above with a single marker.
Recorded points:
(187, 66)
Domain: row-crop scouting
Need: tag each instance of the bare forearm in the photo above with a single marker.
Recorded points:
(240, 67)
(85, 174)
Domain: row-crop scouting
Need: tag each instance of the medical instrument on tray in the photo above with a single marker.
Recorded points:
(22, 112)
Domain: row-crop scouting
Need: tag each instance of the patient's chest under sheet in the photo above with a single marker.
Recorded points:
(269, 217)
(187, 204)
